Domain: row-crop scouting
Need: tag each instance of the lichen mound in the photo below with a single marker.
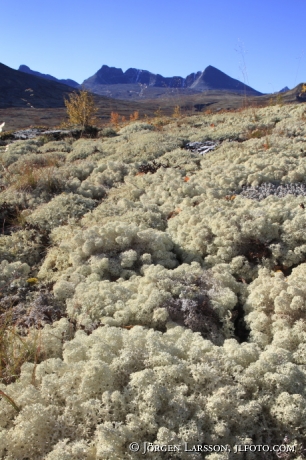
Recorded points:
(157, 295)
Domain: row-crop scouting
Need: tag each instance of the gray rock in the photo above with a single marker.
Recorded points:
(31, 133)
(201, 147)
(260, 192)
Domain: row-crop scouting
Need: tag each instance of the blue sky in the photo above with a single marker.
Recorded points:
(259, 42)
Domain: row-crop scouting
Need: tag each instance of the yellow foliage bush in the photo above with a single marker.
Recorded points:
(81, 109)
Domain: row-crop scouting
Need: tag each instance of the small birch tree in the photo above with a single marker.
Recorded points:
(81, 109)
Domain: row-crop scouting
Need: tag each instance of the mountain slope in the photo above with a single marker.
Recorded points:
(68, 81)
(213, 79)
(18, 89)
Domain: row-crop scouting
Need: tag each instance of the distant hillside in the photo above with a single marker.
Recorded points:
(68, 81)
(18, 89)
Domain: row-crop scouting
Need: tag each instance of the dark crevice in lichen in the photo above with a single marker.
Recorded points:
(242, 332)
(254, 250)
(153, 167)
(8, 215)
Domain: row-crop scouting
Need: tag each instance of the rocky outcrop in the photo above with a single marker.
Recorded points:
(55, 134)
(201, 147)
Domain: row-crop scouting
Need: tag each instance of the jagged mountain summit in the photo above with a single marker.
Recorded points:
(137, 83)
(114, 76)
(68, 81)
(210, 79)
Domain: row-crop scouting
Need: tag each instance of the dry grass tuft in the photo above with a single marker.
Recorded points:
(16, 347)
(32, 175)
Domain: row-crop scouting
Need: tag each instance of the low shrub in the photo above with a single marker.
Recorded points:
(81, 110)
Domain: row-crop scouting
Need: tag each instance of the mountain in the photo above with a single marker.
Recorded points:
(114, 76)
(213, 79)
(283, 90)
(68, 81)
(137, 83)
(210, 79)
(19, 89)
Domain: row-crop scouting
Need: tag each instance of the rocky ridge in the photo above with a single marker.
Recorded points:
(210, 79)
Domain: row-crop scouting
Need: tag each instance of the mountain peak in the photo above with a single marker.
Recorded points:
(210, 79)
(214, 79)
